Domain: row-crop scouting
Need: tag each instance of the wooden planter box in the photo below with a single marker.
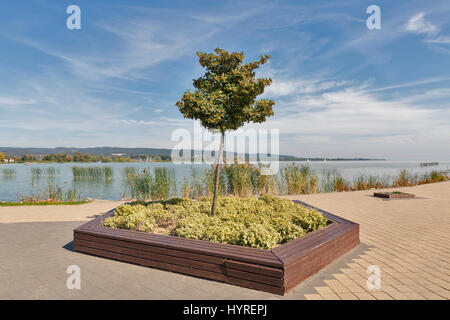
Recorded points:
(275, 271)
(388, 195)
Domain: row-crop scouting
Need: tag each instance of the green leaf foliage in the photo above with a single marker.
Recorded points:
(225, 96)
(254, 222)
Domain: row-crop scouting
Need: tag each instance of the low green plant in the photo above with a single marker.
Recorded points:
(193, 186)
(209, 178)
(299, 180)
(164, 184)
(53, 193)
(433, 176)
(139, 183)
(406, 178)
(239, 178)
(264, 184)
(262, 222)
(363, 182)
(144, 185)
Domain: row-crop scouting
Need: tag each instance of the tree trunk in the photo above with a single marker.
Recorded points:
(218, 165)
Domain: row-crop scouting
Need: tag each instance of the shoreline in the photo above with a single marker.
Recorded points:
(435, 194)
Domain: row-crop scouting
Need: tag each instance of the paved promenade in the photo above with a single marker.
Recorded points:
(407, 239)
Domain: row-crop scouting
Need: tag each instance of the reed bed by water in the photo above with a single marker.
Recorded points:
(265, 184)
(239, 180)
(194, 186)
(406, 178)
(299, 180)
(145, 185)
(334, 181)
(98, 174)
(53, 193)
(38, 173)
(51, 172)
(8, 173)
(246, 180)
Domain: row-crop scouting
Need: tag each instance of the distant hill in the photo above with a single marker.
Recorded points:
(134, 152)
(97, 151)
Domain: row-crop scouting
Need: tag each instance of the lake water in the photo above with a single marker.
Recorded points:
(17, 179)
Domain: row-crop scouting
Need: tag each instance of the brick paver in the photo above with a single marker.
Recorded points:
(407, 239)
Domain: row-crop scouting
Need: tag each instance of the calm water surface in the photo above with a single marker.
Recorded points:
(22, 182)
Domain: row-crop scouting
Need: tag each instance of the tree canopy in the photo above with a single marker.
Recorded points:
(225, 96)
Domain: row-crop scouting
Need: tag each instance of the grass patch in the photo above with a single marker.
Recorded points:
(42, 203)
(263, 222)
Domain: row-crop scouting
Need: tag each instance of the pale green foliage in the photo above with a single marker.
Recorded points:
(136, 217)
(260, 223)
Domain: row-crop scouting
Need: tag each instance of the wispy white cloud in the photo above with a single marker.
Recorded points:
(281, 88)
(410, 84)
(14, 101)
(160, 121)
(418, 24)
(440, 40)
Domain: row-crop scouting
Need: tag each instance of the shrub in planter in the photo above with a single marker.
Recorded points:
(254, 222)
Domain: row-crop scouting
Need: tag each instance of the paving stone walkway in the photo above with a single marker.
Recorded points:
(407, 239)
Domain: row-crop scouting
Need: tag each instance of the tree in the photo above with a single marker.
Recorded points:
(27, 157)
(225, 97)
(2, 156)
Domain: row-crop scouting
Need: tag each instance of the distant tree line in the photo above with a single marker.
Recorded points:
(80, 157)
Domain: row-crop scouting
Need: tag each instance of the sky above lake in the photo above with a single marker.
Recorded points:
(341, 89)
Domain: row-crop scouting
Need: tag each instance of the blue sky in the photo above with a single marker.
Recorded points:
(341, 90)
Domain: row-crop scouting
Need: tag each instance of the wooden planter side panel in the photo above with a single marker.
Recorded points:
(246, 254)
(220, 270)
(306, 256)
(255, 269)
(275, 271)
